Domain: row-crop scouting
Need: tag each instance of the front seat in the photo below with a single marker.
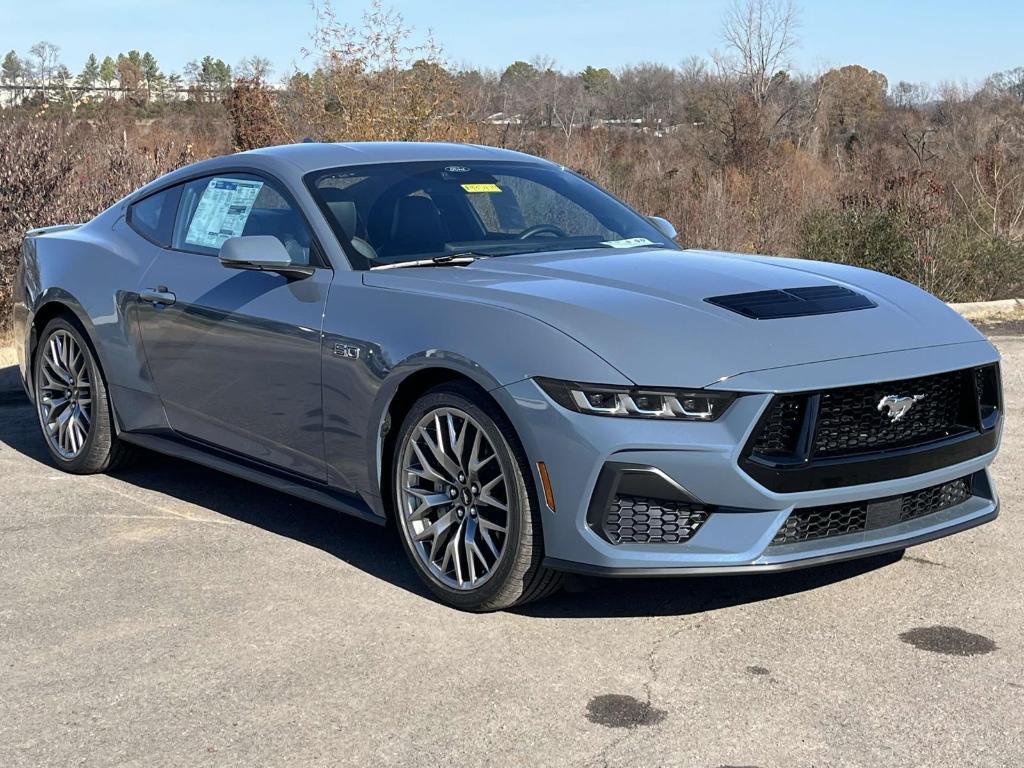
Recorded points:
(345, 213)
(416, 227)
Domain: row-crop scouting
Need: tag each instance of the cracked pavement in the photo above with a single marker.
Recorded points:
(171, 615)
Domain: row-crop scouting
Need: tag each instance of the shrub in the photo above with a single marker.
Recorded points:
(53, 172)
(863, 238)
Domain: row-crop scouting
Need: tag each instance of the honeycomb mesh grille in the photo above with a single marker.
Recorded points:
(849, 420)
(936, 498)
(781, 428)
(642, 520)
(841, 519)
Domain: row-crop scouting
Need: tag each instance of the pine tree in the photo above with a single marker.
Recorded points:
(108, 72)
(12, 71)
(90, 74)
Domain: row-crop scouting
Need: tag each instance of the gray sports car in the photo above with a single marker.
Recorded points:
(522, 373)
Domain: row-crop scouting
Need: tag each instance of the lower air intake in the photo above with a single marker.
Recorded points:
(642, 520)
(841, 519)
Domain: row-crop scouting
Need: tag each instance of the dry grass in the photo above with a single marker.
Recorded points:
(7, 356)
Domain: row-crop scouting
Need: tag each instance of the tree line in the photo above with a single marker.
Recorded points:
(40, 77)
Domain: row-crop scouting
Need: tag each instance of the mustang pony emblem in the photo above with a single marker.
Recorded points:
(898, 405)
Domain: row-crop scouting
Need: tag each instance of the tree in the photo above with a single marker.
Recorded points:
(517, 73)
(376, 82)
(854, 96)
(1009, 83)
(150, 72)
(174, 84)
(597, 81)
(129, 73)
(210, 78)
(254, 67)
(252, 106)
(760, 35)
(46, 53)
(12, 70)
(63, 82)
(90, 74)
(108, 72)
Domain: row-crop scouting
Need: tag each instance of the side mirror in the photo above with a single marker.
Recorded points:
(263, 253)
(664, 226)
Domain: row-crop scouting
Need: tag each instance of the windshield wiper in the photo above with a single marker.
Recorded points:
(466, 257)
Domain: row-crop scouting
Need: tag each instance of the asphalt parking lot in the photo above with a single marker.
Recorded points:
(171, 615)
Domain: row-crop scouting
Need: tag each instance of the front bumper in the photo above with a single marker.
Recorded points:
(898, 542)
(704, 459)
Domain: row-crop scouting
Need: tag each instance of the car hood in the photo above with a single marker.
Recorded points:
(644, 311)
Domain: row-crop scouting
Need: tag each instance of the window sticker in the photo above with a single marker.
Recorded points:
(632, 242)
(222, 211)
(489, 188)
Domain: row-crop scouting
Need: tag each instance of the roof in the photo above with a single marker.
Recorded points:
(311, 156)
(292, 161)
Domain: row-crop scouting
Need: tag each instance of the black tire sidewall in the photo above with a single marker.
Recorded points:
(96, 450)
(520, 501)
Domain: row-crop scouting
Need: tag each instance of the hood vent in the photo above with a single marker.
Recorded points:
(793, 302)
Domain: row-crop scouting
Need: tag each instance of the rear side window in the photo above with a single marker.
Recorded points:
(153, 216)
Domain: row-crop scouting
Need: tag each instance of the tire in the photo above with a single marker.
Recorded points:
(437, 502)
(92, 446)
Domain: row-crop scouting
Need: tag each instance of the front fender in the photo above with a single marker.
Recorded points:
(490, 345)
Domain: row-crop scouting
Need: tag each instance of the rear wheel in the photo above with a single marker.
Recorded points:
(72, 404)
(464, 503)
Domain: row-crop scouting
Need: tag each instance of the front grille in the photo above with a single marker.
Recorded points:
(781, 428)
(848, 436)
(841, 519)
(849, 420)
(643, 520)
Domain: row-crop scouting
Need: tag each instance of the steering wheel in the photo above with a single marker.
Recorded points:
(538, 229)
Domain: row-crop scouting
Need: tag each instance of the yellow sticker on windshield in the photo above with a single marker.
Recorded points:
(492, 188)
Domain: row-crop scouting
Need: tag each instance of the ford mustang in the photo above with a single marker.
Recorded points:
(522, 374)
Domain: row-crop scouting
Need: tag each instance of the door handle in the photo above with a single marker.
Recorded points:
(159, 295)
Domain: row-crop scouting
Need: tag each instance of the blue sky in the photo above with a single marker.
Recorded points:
(914, 40)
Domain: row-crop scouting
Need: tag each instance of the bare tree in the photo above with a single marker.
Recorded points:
(759, 35)
(46, 53)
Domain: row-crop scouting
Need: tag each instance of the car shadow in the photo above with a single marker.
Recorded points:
(376, 551)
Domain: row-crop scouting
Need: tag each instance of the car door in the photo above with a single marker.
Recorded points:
(235, 353)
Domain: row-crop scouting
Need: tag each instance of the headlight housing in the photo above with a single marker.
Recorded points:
(637, 402)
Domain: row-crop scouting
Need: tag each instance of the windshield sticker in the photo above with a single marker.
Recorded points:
(489, 188)
(222, 211)
(632, 242)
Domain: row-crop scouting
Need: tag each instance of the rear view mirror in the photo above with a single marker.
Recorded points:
(263, 253)
(664, 226)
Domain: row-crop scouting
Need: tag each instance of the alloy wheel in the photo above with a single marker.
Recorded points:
(454, 499)
(64, 394)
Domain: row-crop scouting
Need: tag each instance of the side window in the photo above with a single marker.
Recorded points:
(216, 208)
(153, 216)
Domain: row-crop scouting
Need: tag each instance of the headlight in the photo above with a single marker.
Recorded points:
(637, 402)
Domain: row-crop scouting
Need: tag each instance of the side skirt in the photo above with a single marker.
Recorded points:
(171, 446)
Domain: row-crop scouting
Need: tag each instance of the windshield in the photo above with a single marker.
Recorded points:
(397, 212)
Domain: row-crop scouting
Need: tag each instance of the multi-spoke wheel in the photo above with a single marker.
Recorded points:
(464, 503)
(71, 399)
(65, 394)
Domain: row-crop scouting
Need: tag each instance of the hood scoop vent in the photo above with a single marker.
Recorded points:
(793, 302)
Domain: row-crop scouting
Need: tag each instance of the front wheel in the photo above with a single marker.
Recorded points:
(464, 503)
